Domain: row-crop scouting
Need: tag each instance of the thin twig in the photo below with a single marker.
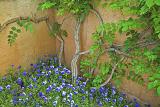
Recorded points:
(112, 72)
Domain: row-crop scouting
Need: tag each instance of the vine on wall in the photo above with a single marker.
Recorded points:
(137, 57)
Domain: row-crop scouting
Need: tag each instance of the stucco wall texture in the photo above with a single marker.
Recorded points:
(87, 28)
(28, 46)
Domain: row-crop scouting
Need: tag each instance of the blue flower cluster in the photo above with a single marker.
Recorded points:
(47, 84)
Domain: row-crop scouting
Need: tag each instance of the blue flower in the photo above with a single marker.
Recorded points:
(38, 70)
(120, 99)
(54, 103)
(100, 104)
(52, 67)
(1, 88)
(126, 106)
(60, 77)
(54, 85)
(62, 72)
(40, 94)
(75, 92)
(35, 65)
(8, 86)
(107, 99)
(63, 93)
(93, 90)
(58, 89)
(44, 82)
(83, 97)
(20, 82)
(34, 79)
(49, 89)
(114, 100)
(113, 92)
(30, 94)
(137, 105)
(24, 73)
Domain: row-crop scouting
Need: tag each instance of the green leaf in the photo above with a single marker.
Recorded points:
(152, 85)
(18, 31)
(150, 3)
(158, 91)
(13, 28)
(157, 2)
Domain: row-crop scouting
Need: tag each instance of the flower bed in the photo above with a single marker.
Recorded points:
(47, 84)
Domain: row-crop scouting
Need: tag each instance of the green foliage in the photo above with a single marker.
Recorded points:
(13, 35)
(57, 30)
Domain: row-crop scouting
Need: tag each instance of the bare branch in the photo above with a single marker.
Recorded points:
(13, 20)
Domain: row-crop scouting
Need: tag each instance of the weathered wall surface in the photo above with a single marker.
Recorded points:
(87, 28)
(28, 46)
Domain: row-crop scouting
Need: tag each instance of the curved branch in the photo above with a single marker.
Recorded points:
(112, 72)
(74, 61)
(98, 15)
(13, 20)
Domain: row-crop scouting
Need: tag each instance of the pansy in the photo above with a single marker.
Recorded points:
(34, 79)
(1, 88)
(58, 89)
(8, 86)
(63, 93)
(54, 103)
(120, 99)
(75, 92)
(62, 72)
(24, 73)
(40, 94)
(92, 90)
(44, 82)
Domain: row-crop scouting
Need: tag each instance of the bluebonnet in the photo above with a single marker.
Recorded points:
(1, 88)
(126, 106)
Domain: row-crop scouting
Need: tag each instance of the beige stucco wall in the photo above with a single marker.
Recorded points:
(87, 28)
(28, 46)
